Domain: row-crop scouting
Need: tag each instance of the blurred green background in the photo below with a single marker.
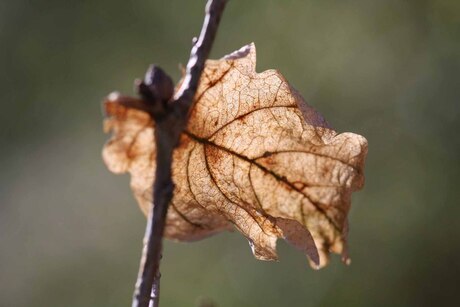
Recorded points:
(70, 232)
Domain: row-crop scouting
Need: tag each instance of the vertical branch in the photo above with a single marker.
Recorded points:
(170, 116)
(162, 195)
(200, 53)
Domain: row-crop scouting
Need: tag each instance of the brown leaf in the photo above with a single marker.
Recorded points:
(254, 156)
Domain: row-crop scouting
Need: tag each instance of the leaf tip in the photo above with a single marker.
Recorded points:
(266, 250)
(245, 51)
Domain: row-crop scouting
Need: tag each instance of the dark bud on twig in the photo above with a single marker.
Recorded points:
(156, 89)
(156, 86)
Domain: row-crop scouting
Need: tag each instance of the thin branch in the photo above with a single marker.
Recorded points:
(170, 116)
(200, 53)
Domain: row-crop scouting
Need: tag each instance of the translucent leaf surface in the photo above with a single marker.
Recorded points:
(254, 156)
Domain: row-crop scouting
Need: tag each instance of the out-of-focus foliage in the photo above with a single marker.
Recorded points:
(70, 232)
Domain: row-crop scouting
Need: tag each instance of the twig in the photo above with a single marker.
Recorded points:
(200, 52)
(170, 116)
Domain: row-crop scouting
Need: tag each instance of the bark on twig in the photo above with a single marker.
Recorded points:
(170, 116)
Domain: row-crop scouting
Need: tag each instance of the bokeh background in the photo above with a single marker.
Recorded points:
(70, 232)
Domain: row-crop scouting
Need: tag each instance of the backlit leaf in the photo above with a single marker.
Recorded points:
(254, 156)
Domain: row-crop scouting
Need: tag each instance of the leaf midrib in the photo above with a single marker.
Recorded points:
(278, 177)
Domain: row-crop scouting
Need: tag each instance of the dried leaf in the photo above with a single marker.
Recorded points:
(254, 156)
